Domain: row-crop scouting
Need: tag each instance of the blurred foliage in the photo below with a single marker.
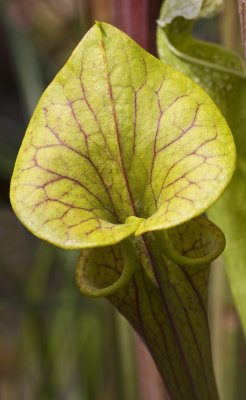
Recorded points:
(55, 26)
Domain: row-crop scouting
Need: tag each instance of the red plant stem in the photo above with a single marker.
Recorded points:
(242, 16)
(138, 19)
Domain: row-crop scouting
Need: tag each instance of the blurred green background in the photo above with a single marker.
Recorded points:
(54, 343)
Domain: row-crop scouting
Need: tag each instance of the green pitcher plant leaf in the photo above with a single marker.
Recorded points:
(222, 74)
(170, 310)
(118, 134)
(121, 157)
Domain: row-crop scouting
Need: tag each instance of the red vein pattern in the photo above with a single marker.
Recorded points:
(118, 134)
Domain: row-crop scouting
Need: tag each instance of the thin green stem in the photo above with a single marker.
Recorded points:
(127, 356)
